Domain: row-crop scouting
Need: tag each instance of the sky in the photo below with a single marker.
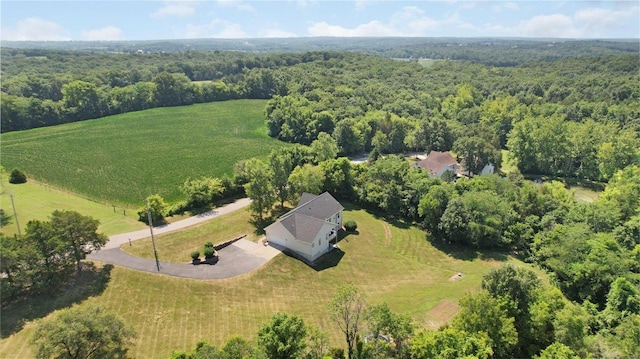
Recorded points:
(153, 20)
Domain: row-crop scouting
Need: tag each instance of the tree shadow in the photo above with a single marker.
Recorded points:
(90, 282)
(259, 224)
(465, 253)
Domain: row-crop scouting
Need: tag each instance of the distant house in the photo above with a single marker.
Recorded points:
(308, 229)
(437, 163)
(488, 169)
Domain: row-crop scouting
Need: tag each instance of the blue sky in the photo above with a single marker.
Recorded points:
(152, 20)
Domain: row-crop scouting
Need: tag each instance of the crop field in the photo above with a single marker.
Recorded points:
(124, 158)
(391, 262)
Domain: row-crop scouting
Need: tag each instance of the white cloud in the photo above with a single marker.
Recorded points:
(175, 8)
(505, 6)
(104, 34)
(372, 28)
(592, 22)
(596, 19)
(415, 22)
(236, 4)
(556, 25)
(361, 4)
(35, 29)
(217, 28)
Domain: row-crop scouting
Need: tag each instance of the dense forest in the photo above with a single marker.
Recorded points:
(575, 116)
(572, 117)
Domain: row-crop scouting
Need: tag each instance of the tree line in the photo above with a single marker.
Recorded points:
(571, 117)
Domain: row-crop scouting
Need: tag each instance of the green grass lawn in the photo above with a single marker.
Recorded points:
(124, 158)
(584, 195)
(35, 201)
(389, 262)
(508, 164)
(176, 247)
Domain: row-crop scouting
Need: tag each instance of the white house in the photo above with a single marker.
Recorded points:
(437, 163)
(308, 229)
(488, 169)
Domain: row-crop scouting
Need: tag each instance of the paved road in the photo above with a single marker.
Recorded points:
(241, 257)
(117, 240)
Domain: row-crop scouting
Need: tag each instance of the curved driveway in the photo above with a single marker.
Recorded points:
(238, 258)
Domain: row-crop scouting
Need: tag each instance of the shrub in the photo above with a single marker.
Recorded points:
(208, 245)
(17, 177)
(351, 226)
(157, 207)
(209, 252)
(177, 208)
(195, 255)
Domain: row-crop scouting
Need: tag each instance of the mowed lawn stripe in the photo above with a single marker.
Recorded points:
(404, 270)
(122, 159)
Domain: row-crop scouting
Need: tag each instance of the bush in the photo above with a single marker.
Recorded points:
(195, 255)
(209, 252)
(17, 177)
(351, 226)
(177, 208)
(157, 207)
(208, 245)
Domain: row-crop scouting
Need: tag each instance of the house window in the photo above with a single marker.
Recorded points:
(319, 239)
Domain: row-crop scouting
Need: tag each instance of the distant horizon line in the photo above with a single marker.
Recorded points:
(341, 37)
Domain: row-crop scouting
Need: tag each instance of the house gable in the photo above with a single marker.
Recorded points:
(437, 163)
(308, 228)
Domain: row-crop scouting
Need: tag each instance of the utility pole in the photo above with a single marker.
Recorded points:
(155, 253)
(15, 215)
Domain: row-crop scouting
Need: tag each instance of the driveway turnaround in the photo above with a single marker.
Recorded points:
(238, 258)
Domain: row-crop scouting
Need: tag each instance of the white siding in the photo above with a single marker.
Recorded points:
(321, 243)
(279, 235)
(488, 169)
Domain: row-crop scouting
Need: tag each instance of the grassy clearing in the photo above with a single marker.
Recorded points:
(508, 164)
(122, 159)
(35, 201)
(176, 247)
(584, 195)
(389, 262)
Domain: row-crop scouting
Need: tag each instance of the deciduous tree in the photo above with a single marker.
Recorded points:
(78, 233)
(283, 337)
(259, 187)
(324, 147)
(481, 313)
(347, 310)
(82, 332)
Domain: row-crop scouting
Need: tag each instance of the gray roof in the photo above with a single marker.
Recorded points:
(304, 228)
(435, 161)
(306, 220)
(321, 207)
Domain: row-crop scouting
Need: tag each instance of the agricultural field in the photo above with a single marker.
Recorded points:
(36, 201)
(122, 159)
(391, 262)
